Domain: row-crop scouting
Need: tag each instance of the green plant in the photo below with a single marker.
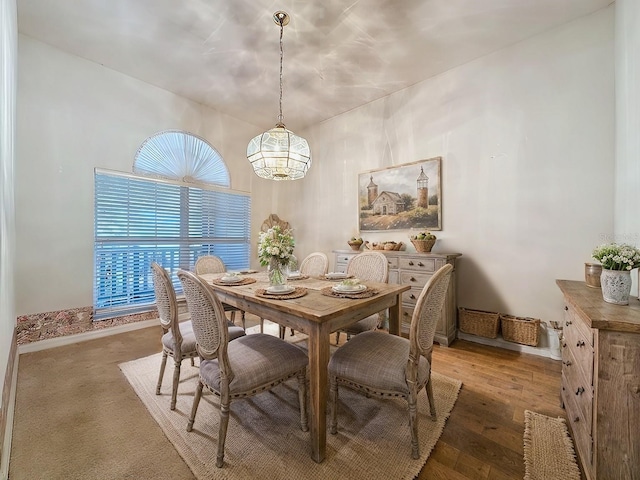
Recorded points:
(275, 245)
(615, 256)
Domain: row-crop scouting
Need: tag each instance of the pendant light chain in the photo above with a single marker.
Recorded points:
(281, 117)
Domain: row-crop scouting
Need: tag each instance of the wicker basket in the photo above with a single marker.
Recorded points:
(355, 245)
(478, 322)
(423, 246)
(520, 329)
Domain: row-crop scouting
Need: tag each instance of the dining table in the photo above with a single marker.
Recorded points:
(317, 313)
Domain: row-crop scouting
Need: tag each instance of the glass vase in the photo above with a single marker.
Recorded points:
(277, 277)
(616, 286)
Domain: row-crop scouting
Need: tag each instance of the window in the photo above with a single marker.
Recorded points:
(141, 220)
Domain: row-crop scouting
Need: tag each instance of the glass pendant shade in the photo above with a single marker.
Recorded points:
(279, 154)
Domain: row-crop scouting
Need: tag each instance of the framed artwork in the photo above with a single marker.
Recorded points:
(403, 197)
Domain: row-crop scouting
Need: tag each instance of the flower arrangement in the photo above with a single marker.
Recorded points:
(617, 256)
(276, 246)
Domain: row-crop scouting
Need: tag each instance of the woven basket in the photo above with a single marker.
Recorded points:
(423, 246)
(520, 329)
(478, 322)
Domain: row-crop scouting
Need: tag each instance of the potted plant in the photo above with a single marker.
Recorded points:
(355, 243)
(423, 241)
(617, 261)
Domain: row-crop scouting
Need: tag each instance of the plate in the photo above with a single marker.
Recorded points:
(280, 290)
(230, 279)
(349, 288)
(335, 275)
(244, 272)
(294, 275)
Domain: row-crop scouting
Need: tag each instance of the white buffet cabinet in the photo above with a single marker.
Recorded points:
(415, 269)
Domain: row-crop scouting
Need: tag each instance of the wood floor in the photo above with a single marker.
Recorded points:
(57, 426)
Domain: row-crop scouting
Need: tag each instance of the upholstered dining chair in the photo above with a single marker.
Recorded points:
(374, 267)
(214, 264)
(313, 265)
(242, 368)
(385, 365)
(178, 340)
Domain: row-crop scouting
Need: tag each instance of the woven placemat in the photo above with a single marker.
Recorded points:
(297, 293)
(301, 277)
(329, 292)
(244, 281)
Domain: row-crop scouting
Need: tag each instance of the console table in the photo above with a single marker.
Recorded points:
(601, 381)
(415, 269)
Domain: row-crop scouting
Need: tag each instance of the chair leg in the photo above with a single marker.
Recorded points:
(281, 331)
(222, 431)
(163, 364)
(432, 404)
(233, 317)
(338, 337)
(261, 325)
(302, 398)
(176, 380)
(292, 332)
(333, 404)
(194, 407)
(413, 425)
(193, 363)
(242, 319)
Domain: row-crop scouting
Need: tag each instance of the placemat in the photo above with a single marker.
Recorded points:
(297, 293)
(244, 281)
(301, 277)
(329, 292)
(334, 279)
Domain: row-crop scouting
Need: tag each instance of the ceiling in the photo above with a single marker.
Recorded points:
(338, 55)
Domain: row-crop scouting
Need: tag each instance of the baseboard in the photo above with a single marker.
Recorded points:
(84, 336)
(8, 407)
(501, 343)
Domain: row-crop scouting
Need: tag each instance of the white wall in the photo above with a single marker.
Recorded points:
(627, 48)
(527, 140)
(73, 116)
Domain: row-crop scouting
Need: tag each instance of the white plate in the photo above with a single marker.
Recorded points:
(294, 275)
(230, 279)
(335, 275)
(280, 290)
(349, 288)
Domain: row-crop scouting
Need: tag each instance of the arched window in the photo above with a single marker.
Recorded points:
(176, 208)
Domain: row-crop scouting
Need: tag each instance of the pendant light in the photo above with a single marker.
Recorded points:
(279, 154)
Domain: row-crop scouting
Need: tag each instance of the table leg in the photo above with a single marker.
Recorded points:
(319, 389)
(394, 316)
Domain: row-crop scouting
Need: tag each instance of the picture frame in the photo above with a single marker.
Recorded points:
(402, 197)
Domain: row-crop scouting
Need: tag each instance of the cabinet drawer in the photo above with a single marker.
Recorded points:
(405, 320)
(581, 431)
(392, 262)
(410, 297)
(421, 264)
(343, 258)
(573, 321)
(581, 351)
(575, 385)
(414, 279)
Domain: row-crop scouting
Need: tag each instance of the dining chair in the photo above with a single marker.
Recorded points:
(313, 265)
(178, 340)
(386, 365)
(245, 367)
(214, 264)
(374, 267)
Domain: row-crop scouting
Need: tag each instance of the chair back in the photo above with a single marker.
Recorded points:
(209, 264)
(166, 301)
(208, 320)
(427, 313)
(372, 266)
(315, 264)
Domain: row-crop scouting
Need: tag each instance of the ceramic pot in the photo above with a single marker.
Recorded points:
(616, 286)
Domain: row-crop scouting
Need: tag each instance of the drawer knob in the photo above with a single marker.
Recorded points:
(412, 296)
(567, 363)
(566, 308)
(576, 420)
(410, 262)
(420, 264)
(412, 279)
(564, 344)
(580, 343)
(567, 323)
(580, 391)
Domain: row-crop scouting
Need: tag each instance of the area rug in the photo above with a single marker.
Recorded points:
(548, 449)
(264, 439)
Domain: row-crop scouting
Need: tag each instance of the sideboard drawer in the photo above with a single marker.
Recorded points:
(581, 431)
(578, 387)
(414, 279)
(410, 297)
(427, 265)
(577, 349)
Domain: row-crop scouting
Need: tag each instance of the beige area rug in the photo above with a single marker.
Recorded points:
(264, 439)
(548, 449)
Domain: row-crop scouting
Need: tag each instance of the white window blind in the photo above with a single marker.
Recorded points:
(139, 221)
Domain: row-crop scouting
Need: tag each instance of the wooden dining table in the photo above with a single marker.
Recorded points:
(317, 315)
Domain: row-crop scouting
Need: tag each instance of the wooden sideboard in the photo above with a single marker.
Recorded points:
(601, 381)
(415, 269)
